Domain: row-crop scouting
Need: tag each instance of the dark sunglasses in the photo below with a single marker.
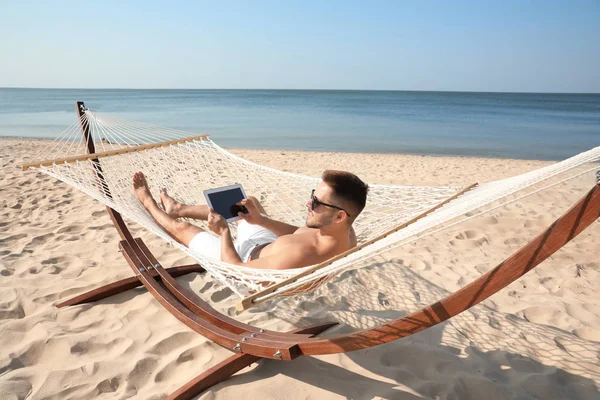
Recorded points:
(315, 202)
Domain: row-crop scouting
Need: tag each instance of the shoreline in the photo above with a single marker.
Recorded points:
(243, 149)
(386, 169)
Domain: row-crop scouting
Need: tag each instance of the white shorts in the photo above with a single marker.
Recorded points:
(249, 237)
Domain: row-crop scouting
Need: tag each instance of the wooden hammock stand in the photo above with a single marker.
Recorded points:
(251, 344)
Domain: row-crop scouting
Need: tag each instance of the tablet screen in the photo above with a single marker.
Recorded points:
(223, 202)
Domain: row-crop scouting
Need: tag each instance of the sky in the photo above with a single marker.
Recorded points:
(504, 46)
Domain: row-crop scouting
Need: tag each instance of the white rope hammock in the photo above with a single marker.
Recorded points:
(187, 167)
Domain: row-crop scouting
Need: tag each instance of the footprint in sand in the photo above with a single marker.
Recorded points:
(118, 345)
(39, 240)
(43, 352)
(101, 227)
(13, 238)
(197, 354)
(109, 385)
(587, 334)
(542, 315)
(419, 265)
(74, 229)
(514, 241)
(171, 343)
(6, 271)
(139, 374)
(490, 220)
(467, 235)
(11, 310)
(469, 239)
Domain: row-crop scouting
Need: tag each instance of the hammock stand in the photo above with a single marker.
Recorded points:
(252, 344)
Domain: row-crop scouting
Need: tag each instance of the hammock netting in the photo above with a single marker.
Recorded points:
(188, 167)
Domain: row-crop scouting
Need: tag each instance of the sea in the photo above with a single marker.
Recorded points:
(540, 126)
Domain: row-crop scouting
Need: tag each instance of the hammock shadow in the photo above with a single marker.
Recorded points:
(509, 350)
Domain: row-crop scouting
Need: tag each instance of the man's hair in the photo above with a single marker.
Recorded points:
(348, 187)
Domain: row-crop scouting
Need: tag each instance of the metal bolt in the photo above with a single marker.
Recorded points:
(277, 354)
(254, 335)
(261, 330)
(237, 347)
(244, 339)
(150, 267)
(157, 266)
(142, 269)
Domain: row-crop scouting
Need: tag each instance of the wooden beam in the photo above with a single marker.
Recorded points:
(123, 285)
(253, 299)
(85, 157)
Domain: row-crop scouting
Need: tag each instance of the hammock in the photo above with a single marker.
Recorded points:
(394, 215)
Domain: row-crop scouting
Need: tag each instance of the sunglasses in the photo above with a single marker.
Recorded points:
(316, 202)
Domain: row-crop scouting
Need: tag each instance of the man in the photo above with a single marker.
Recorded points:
(263, 242)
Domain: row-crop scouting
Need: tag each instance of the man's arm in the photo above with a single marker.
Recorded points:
(228, 251)
(293, 257)
(256, 215)
(218, 225)
(277, 227)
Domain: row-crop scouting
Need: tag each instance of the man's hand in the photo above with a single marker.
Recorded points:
(253, 216)
(216, 223)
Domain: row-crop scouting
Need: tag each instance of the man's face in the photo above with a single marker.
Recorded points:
(322, 215)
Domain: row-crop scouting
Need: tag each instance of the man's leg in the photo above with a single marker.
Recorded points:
(179, 210)
(181, 231)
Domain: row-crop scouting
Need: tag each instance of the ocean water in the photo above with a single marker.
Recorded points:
(505, 125)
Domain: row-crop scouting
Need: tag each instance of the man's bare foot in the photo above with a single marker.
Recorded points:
(140, 187)
(170, 205)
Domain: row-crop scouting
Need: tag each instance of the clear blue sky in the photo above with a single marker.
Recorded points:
(523, 46)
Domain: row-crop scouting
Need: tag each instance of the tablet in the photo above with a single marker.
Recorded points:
(223, 200)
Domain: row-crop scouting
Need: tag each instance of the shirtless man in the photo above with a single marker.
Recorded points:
(264, 242)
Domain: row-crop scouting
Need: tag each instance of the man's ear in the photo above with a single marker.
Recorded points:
(341, 216)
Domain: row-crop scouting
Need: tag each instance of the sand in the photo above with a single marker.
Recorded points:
(537, 338)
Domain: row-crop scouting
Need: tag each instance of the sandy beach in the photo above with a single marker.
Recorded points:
(537, 338)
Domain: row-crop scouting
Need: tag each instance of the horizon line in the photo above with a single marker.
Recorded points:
(305, 89)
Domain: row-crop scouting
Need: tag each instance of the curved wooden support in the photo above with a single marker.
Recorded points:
(230, 366)
(565, 228)
(200, 308)
(124, 285)
(251, 343)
